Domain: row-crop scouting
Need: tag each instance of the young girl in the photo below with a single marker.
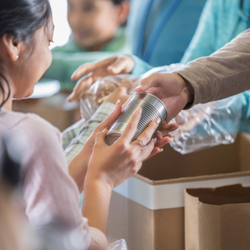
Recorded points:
(97, 33)
(49, 193)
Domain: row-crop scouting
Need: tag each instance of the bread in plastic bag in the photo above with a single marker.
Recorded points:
(101, 89)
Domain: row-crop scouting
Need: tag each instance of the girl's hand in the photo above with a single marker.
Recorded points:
(114, 164)
(121, 93)
(79, 165)
(91, 72)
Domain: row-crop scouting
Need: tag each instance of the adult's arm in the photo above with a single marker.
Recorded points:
(225, 73)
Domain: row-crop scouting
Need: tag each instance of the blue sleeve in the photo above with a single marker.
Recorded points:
(245, 115)
(202, 43)
(140, 67)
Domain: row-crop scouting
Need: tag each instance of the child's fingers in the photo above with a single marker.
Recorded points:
(83, 70)
(110, 120)
(146, 136)
(81, 87)
(130, 130)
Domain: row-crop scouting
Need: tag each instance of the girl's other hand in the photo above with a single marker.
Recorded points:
(79, 165)
(121, 93)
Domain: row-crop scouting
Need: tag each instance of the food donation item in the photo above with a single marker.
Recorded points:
(101, 89)
(152, 108)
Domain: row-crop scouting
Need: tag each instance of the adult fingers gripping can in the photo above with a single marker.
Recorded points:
(152, 108)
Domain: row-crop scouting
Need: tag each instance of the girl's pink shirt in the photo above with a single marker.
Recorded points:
(49, 192)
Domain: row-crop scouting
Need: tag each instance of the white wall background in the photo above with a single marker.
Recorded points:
(62, 29)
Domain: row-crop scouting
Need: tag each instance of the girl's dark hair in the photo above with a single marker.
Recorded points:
(21, 19)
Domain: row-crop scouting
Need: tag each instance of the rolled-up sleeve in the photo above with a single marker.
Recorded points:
(86, 130)
(225, 73)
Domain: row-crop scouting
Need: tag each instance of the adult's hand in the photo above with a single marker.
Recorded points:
(91, 72)
(172, 89)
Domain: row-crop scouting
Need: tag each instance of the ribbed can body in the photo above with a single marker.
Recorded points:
(152, 108)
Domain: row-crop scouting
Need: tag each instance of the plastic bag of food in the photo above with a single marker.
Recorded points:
(101, 89)
(118, 245)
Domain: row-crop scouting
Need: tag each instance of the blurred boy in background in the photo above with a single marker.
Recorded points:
(97, 32)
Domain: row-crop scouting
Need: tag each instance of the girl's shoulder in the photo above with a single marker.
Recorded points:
(36, 137)
(27, 123)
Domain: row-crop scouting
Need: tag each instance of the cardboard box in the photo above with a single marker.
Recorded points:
(148, 210)
(217, 219)
(54, 109)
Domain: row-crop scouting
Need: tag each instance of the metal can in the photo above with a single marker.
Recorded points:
(152, 108)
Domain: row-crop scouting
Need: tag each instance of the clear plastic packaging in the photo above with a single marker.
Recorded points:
(101, 89)
(208, 125)
(118, 245)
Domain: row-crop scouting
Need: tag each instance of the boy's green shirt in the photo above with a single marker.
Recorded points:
(67, 58)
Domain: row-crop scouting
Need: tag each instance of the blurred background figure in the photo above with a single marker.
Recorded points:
(220, 22)
(161, 30)
(97, 31)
